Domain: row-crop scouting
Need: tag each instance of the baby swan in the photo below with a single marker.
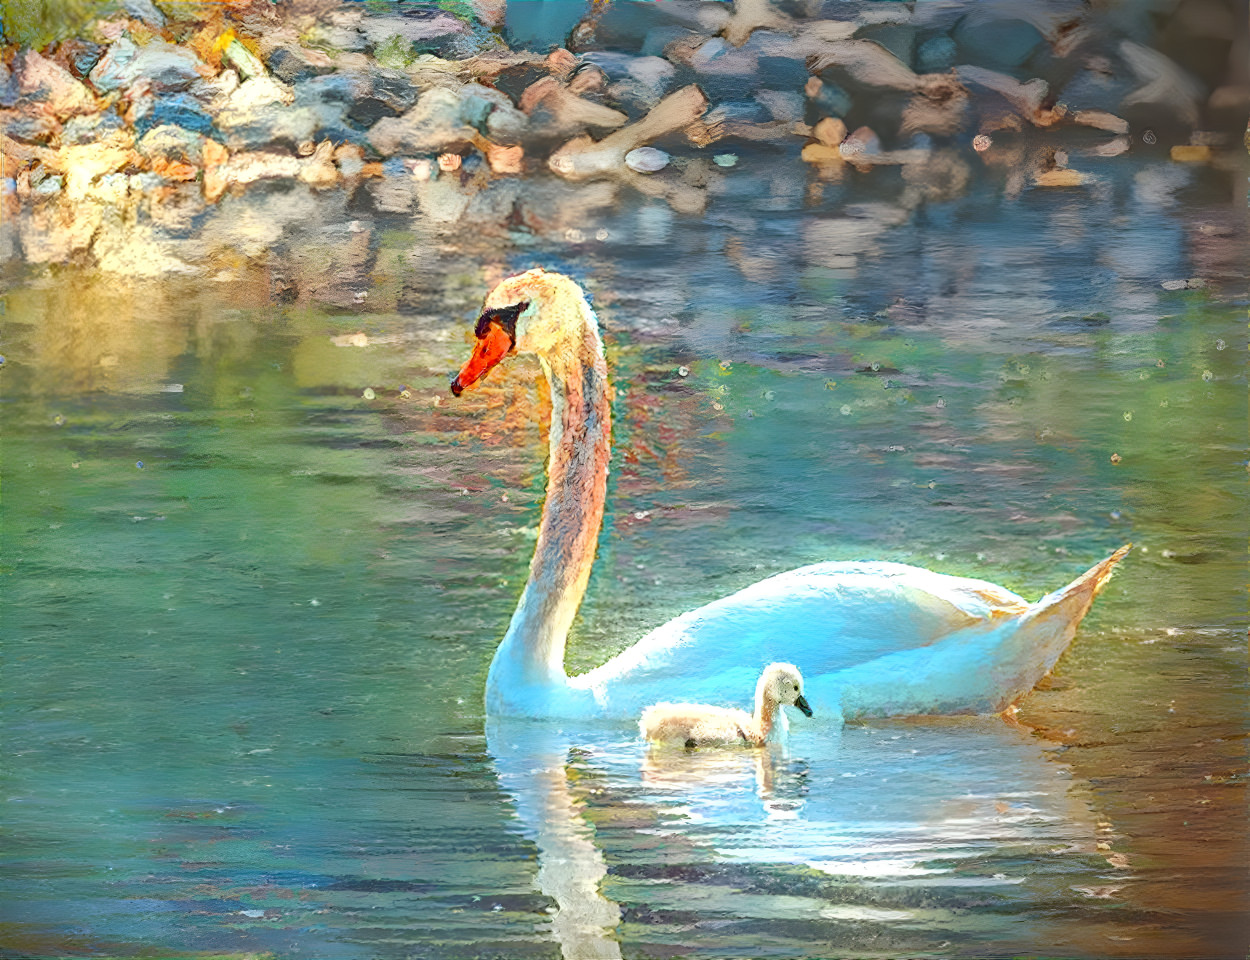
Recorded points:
(696, 724)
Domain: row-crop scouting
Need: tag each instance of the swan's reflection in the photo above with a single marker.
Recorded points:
(943, 805)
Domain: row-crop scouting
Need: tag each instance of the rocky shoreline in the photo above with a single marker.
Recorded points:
(120, 146)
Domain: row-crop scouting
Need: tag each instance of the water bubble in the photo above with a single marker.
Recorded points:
(601, 234)
(876, 367)
(1116, 458)
(725, 159)
(1208, 376)
(941, 402)
(769, 394)
(368, 393)
(314, 602)
(138, 464)
(726, 364)
(1128, 415)
(1149, 137)
(75, 465)
(831, 384)
(683, 371)
(59, 420)
(1220, 344)
(1163, 402)
(573, 235)
(982, 142)
(845, 410)
(1115, 514)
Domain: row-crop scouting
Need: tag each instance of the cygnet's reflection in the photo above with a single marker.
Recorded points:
(934, 803)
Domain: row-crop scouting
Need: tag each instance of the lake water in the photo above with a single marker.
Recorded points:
(256, 560)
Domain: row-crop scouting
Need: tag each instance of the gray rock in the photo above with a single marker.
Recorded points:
(492, 113)
(180, 109)
(936, 55)
(33, 129)
(418, 29)
(433, 125)
(292, 63)
(51, 86)
(146, 11)
(167, 67)
(380, 93)
(647, 160)
(88, 129)
(172, 143)
(995, 39)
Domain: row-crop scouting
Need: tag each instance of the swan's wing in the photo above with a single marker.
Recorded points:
(826, 617)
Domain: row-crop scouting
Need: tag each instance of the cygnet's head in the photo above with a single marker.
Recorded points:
(532, 312)
(782, 683)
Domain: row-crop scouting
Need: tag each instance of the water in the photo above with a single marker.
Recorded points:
(249, 607)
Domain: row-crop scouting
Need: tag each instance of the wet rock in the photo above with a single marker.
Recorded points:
(433, 125)
(244, 62)
(1024, 98)
(504, 160)
(1169, 96)
(83, 163)
(419, 31)
(1100, 120)
(179, 109)
(318, 169)
(865, 63)
(830, 131)
(30, 128)
(291, 63)
(556, 111)
(636, 83)
(82, 56)
(379, 93)
(90, 127)
(340, 31)
(50, 87)
(492, 113)
(826, 99)
(937, 54)
(172, 142)
(783, 105)
(647, 160)
(146, 11)
(249, 167)
(165, 66)
(584, 158)
(989, 35)
(260, 114)
(394, 192)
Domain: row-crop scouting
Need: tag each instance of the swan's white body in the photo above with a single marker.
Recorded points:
(871, 639)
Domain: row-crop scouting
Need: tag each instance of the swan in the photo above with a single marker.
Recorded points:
(873, 639)
(696, 724)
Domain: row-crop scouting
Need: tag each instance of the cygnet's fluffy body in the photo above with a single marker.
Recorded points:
(697, 724)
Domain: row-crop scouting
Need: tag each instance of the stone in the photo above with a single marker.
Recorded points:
(245, 63)
(492, 113)
(165, 66)
(318, 169)
(259, 114)
(987, 36)
(584, 158)
(172, 142)
(1190, 153)
(249, 167)
(50, 86)
(82, 56)
(90, 127)
(936, 54)
(555, 111)
(30, 128)
(292, 63)
(380, 93)
(180, 109)
(146, 11)
(830, 131)
(647, 160)
(431, 126)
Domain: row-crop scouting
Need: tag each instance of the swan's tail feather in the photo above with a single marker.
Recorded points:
(1073, 601)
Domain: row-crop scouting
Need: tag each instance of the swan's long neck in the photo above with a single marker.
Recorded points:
(532, 651)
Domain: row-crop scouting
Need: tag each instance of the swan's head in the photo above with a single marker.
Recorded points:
(782, 683)
(532, 312)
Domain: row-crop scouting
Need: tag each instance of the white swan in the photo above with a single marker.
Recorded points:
(697, 724)
(872, 639)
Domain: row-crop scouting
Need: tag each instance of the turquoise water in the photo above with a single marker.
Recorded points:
(256, 559)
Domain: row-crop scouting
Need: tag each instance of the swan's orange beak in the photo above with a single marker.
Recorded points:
(493, 344)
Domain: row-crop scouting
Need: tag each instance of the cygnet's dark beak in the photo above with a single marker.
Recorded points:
(801, 702)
